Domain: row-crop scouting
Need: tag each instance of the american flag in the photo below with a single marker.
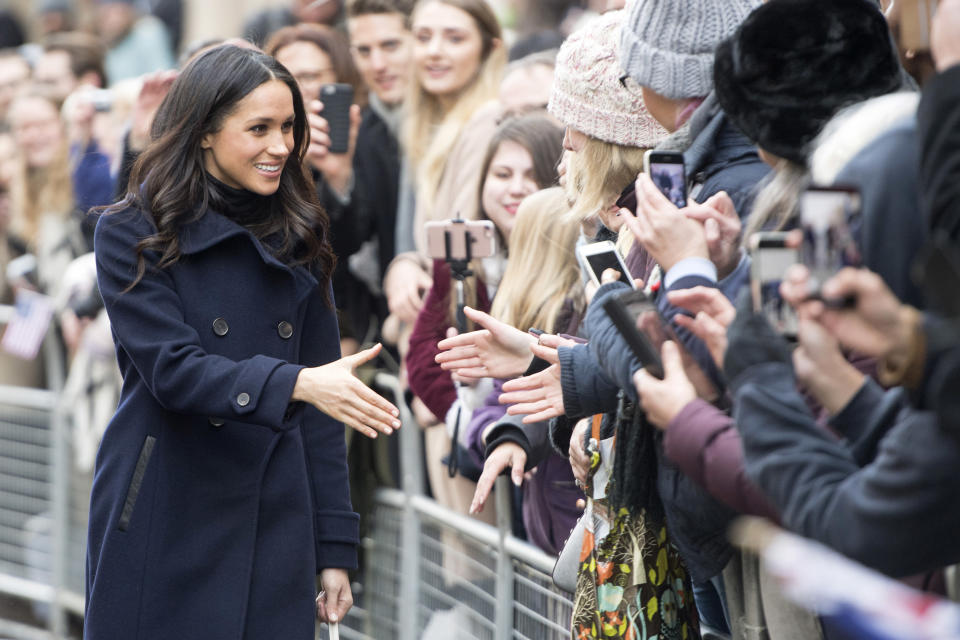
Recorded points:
(28, 326)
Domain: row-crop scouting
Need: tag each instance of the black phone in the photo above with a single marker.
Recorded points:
(770, 258)
(666, 170)
(336, 99)
(628, 311)
(826, 214)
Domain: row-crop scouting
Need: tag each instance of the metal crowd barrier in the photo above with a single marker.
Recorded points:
(431, 573)
(435, 574)
(43, 507)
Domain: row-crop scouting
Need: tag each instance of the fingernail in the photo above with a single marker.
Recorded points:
(388, 431)
(333, 617)
(396, 424)
(517, 480)
(395, 413)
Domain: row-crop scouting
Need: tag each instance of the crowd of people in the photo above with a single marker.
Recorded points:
(527, 146)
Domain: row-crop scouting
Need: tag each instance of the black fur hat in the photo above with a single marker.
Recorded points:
(793, 64)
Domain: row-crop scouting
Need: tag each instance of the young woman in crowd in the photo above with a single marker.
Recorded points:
(520, 160)
(220, 489)
(541, 288)
(43, 210)
(458, 58)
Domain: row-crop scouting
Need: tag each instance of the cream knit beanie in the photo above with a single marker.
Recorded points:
(587, 93)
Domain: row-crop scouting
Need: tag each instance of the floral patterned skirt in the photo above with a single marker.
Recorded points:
(633, 585)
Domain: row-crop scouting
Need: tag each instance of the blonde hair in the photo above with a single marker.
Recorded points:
(597, 173)
(35, 191)
(542, 271)
(430, 132)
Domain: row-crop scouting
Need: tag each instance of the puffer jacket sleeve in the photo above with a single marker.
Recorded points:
(908, 491)
(150, 329)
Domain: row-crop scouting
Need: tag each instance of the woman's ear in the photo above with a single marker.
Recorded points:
(495, 43)
(206, 142)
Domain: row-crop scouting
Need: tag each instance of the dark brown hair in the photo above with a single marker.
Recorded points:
(85, 51)
(331, 42)
(357, 8)
(542, 139)
(169, 181)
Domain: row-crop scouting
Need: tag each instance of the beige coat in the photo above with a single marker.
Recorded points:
(459, 185)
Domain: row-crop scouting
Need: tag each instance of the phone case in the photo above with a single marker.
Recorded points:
(336, 99)
(637, 342)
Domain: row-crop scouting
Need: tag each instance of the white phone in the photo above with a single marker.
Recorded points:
(597, 257)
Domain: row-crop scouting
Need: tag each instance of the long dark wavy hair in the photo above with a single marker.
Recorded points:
(169, 181)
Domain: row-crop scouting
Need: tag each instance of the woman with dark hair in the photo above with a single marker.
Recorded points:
(521, 159)
(220, 489)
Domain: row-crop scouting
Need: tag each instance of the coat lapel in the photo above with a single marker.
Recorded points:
(212, 228)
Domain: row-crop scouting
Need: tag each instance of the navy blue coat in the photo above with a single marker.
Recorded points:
(215, 500)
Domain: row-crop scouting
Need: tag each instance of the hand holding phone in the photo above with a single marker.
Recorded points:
(597, 257)
(629, 310)
(666, 169)
(336, 99)
(828, 244)
(771, 257)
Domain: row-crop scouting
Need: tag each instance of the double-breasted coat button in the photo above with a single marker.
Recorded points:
(215, 422)
(220, 327)
(243, 399)
(285, 329)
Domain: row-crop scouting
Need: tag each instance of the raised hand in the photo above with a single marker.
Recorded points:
(665, 231)
(538, 397)
(722, 228)
(713, 314)
(496, 351)
(335, 390)
(337, 168)
(663, 399)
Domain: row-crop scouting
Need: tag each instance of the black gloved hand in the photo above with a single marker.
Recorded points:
(751, 341)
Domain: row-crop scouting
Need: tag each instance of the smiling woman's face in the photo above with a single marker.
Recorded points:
(251, 147)
(447, 48)
(509, 180)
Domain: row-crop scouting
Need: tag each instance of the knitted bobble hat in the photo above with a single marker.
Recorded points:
(588, 95)
(668, 45)
(794, 63)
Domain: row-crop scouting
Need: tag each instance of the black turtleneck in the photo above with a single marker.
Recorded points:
(246, 208)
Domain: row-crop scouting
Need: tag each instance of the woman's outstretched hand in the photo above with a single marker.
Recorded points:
(334, 389)
(496, 351)
(540, 396)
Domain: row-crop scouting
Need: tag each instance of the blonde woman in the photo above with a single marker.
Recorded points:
(458, 58)
(540, 288)
(520, 159)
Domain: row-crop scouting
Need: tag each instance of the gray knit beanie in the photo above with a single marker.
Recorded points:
(668, 45)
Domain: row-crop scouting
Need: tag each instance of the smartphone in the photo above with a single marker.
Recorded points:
(597, 257)
(666, 170)
(336, 99)
(634, 314)
(770, 258)
(828, 245)
(461, 239)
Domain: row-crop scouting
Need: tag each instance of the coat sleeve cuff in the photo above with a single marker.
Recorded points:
(336, 535)
(262, 392)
